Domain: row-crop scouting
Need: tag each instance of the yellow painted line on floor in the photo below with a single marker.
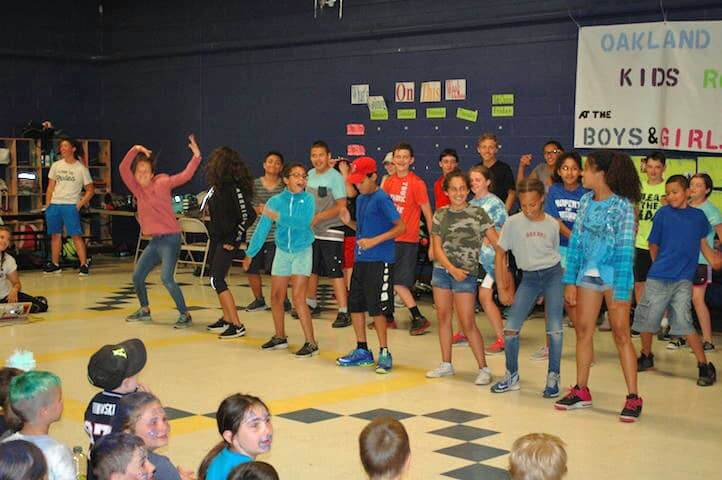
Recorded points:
(401, 378)
(159, 342)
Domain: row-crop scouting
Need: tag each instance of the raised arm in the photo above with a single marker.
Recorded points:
(184, 177)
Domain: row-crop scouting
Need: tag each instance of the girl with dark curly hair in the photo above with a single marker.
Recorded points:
(231, 212)
(600, 256)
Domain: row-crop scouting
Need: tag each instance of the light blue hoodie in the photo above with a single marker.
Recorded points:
(293, 227)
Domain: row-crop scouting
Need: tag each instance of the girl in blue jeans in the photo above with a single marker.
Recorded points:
(533, 236)
(156, 218)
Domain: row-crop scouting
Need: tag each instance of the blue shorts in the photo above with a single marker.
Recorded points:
(287, 264)
(440, 278)
(57, 215)
(593, 283)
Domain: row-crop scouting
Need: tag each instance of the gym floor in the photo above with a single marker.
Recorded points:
(457, 430)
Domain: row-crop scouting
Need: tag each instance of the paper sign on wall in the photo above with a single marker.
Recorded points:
(377, 108)
(436, 112)
(431, 91)
(468, 115)
(405, 92)
(456, 89)
(355, 150)
(502, 99)
(502, 111)
(406, 113)
(355, 129)
(359, 94)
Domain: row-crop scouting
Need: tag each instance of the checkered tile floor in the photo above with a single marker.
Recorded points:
(470, 447)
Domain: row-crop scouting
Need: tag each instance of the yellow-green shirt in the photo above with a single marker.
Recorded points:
(648, 206)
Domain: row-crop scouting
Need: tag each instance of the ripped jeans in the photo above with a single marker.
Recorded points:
(546, 282)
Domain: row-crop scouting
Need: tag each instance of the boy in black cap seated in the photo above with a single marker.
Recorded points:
(115, 369)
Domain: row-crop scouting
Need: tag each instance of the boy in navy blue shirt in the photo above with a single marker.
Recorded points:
(678, 234)
(377, 224)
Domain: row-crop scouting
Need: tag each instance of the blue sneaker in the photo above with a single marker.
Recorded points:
(384, 365)
(552, 388)
(356, 358)
(508, 383)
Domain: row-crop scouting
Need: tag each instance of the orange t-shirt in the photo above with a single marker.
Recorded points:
(408, 194)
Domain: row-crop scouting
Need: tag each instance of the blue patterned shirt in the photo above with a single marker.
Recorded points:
(496, 210)
(603, 239)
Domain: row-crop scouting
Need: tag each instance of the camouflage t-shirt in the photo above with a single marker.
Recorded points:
(462, 234)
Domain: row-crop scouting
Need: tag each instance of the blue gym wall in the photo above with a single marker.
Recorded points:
(267, 75)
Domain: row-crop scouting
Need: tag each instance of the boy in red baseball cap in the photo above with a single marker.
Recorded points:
(377, 224)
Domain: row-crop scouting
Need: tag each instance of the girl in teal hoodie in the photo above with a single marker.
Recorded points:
(292, 210)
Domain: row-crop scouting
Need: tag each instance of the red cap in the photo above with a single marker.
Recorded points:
(360, 168)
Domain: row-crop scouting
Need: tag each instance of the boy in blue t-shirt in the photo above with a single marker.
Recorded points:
(377, 224)
(678, 234)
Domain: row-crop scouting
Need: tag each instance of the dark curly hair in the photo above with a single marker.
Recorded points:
(556, 178)
(619, 172)
(454, 174)
(225, 164)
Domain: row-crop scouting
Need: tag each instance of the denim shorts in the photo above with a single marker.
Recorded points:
(593, 283)
(674, 296)
(57, 215)
(440, 278)
(287, 264)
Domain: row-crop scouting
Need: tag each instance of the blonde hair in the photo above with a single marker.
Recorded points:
(487, 136)
(538, 456)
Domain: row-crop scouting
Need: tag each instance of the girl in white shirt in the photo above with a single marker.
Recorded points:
(10, 286)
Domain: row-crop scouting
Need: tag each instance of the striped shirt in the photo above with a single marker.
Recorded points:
(602, 244)
(260, 197)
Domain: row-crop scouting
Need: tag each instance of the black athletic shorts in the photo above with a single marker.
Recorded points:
(642, 264)
(328, 258)
(263, 261)
(405, 264)
(372, 289)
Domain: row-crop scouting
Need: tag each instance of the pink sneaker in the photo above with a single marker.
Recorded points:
(576, 398)
(496, 347)
(632, 409)
(459, 339)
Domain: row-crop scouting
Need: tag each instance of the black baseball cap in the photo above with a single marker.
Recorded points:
(112, 364)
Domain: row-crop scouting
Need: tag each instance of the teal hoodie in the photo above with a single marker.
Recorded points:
(293, 227)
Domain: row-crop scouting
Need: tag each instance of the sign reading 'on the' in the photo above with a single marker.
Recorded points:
(650, 85)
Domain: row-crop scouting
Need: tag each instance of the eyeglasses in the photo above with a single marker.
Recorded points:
(552, 152)
(567, 168)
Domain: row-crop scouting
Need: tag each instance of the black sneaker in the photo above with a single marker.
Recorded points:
(632, 409)
(343, 319)
(257, 305)
(275, 343)
(287, 307)
(308, 350)
(51, 267)
(707, 374)
(217, 327)
(233, 331)
(708, 347)
(663, 334)
(634, 334)
(645, 362)
(84, 269)
(419, 326)
(316, 311)
(677, 343)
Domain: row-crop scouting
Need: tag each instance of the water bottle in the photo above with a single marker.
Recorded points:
(81, 463)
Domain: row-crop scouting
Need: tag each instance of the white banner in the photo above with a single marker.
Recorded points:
(650, 85)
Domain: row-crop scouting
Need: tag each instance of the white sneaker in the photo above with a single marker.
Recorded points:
(541, 354)
(484, 376)
(443, 370)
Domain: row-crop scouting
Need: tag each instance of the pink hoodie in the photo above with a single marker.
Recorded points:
(155, 212)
